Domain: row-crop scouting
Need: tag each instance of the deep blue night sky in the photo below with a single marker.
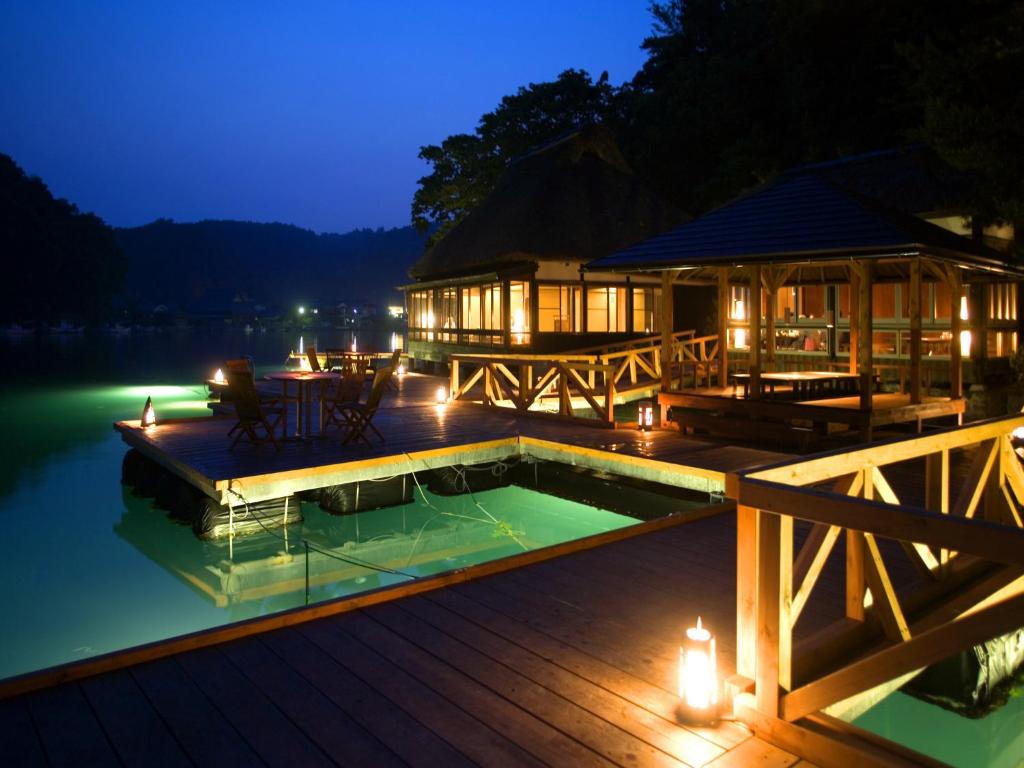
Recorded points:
(306, 113)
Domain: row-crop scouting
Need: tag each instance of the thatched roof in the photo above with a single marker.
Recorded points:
(573, 200)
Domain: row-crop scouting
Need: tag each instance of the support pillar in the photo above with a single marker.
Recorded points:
(956, 373)
(771, 289)
(865, 366)
(755, 331)
(667, 313)
(915, 330)
(723, 326)
(854, 317)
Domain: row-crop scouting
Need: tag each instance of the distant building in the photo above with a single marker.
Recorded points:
(509, 276)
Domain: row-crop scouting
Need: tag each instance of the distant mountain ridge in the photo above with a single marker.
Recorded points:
(206, 264)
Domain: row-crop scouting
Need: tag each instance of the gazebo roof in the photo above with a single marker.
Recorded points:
(573, 200)
(805, 220)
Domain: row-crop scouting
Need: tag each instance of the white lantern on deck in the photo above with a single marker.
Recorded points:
(442, 395)
(698, 677)
(645, 415)
(148, 413)
(218, 377)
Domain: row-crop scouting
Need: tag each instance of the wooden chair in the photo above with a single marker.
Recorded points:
(358, 417)
(314, 361)
(346, 392)
(252, 413)
(395, 357)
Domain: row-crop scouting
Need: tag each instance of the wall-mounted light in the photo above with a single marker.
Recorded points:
(698, 677)
(148, 414)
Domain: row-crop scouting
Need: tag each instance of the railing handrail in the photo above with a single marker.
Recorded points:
(642, 341)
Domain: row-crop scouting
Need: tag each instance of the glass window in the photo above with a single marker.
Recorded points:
(646, 310)
(519, 311)
(812, 301)
(943, 301)
(558, 308)
(785, 304)
(606, 310)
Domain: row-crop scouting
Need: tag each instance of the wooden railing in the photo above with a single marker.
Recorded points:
(546, 385)
(585, 375)
(965, 540)
(621, 346)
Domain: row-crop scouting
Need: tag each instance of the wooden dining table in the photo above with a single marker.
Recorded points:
(805, 385)
(310, 388)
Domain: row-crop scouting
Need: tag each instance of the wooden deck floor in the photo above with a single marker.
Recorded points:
(568, 662)
(413, 427)
(571, 661)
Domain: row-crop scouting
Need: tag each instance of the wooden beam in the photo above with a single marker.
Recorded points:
(854, 315)
(809, 563)
(886, 604)
(918, 652)
(754, 337)
(956, 373)
(769, 529)
(936, 471)
(723, 326)
(999, 543)
(834, 464)
(865, 346)
(915, 330)
(746, 591)
(667, 320)
(770, 279)
(974, 483)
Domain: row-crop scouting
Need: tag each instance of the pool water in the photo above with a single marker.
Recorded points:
(994, 741)
(90, 568)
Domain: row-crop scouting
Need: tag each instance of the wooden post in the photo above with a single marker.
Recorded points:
(865, 367)
(854, 316)
(746, 591)
(771, 289)
(506, 314)
(667, 312)
(723, 326)
(856, 579)
(978, 312)
(956, 373)
(755, 331)
(915, 330)
(767, 672)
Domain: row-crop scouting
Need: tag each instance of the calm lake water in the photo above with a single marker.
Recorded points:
(90, 568)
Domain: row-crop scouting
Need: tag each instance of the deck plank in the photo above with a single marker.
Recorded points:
(19, 742)
(333, 731)
(535, 735)
(68, 729)
(411, 741)
(258, 721)
(566, 709)
(202, 731)
(449, 720)
(651, 730)
(139, 736)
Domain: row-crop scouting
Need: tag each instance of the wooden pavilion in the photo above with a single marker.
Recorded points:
(509, 277)
(863, 288)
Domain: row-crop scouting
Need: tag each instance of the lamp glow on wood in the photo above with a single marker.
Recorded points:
(965, 335)
(698, 677)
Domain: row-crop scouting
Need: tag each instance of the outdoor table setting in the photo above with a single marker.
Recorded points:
(310, 388)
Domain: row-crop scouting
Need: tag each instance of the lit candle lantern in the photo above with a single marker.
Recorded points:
(442, 395)
(218, 377)
(148, 413)
(645, 415)
(401, 370)
(698, 676)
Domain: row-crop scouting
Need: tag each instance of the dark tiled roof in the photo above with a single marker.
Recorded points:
(573, 200)
(798, 216)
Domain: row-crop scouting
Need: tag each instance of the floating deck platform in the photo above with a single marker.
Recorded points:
(419, 436)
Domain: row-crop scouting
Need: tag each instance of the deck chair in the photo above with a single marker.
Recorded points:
(314, 361)
(359, 416)
(253, 414)
(346, 392)
(395, 357)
